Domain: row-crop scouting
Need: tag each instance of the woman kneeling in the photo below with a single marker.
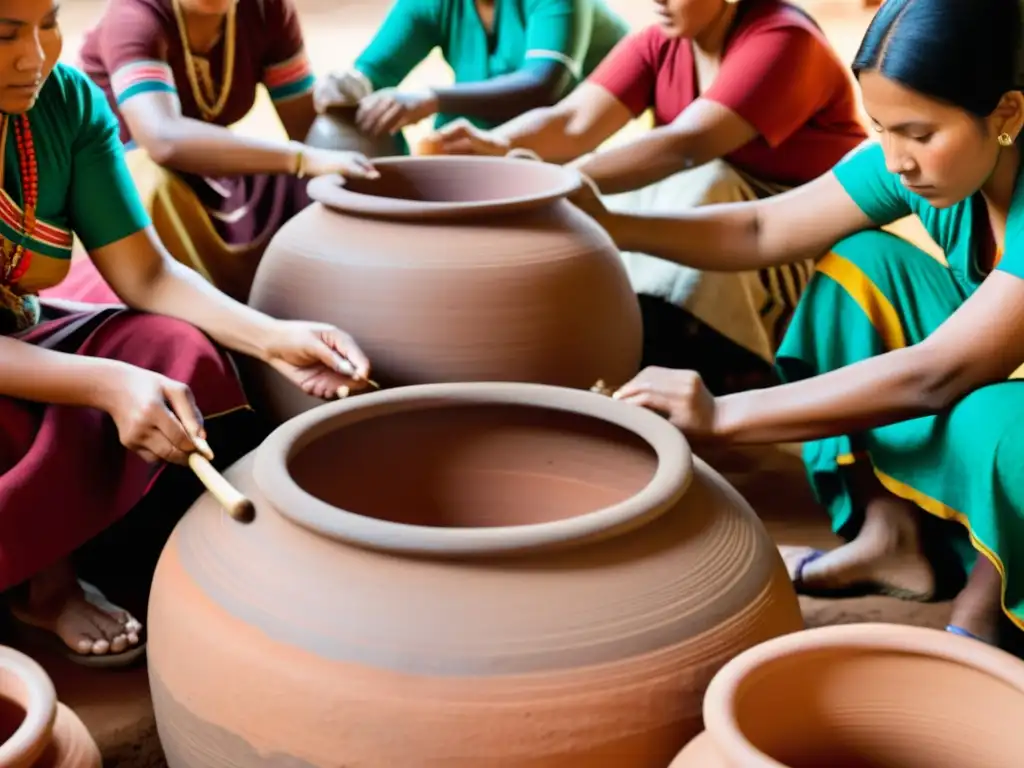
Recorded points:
(94, 404)
(897, 364)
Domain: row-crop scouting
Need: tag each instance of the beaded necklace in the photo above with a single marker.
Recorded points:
(209, 111)
(15, 263)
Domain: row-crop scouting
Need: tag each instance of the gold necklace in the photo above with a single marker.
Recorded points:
(209, 111)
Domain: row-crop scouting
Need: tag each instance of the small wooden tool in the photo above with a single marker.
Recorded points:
(229, 497)
(351, 371)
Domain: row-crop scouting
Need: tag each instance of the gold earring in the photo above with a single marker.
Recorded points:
(1005, 139)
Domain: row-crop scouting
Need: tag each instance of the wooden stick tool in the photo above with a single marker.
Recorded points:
(344, 391)
(229, 497)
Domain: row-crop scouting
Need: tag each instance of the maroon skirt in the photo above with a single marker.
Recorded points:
(64, 475)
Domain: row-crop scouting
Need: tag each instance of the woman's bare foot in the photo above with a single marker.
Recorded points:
(978, 607)
(886, 556)
(77, 613)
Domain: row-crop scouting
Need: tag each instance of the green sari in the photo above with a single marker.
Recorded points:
(876, 292)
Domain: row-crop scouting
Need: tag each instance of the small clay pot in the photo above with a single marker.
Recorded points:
(336, 129)
(484, 574)
(36, 731)
(454, 269)
(864, 696)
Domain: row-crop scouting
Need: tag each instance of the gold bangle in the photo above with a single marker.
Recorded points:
(300, 162)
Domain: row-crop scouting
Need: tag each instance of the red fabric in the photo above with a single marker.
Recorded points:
(147, 30)
(778, 73)
(64, 476)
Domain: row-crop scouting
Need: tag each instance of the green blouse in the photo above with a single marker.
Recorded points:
(84, 189)
(879, 193)
(577, 33)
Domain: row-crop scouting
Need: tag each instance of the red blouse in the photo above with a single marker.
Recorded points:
(778, 73)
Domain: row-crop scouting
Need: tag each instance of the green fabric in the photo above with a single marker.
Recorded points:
(84, 184)
(882, 197)
(84, 188)
(579, 33)
(969, 459)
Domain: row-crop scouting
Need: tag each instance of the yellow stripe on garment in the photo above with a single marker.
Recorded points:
(876, 306)
(940, 510)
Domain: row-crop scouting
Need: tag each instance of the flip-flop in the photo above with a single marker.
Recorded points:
(801, 588)
(953, 629)
(30, 635)
(864, 589)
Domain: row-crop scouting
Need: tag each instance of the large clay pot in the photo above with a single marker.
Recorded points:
(336, 129)
(459, 575)
(864, 696)
(36, 731)
(455, 269)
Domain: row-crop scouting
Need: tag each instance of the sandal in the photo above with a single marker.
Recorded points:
(864, 589)
(31, 636)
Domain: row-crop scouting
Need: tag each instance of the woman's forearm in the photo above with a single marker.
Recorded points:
(28, 372)
(192, 146)
(550, 132)
(896, 386)
(720, 238)
(177, 291)
(650, 158)
(505, 97)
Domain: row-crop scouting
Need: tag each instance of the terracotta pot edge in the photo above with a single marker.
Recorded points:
(672, 477)
(33, 736)
(331, 192)
(733, 744)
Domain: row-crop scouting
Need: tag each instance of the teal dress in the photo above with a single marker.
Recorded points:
(577, 33)
(876, 292)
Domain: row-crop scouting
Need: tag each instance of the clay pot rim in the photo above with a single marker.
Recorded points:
(32, 737)
(671, 479)
(331, 192)
(720, 721)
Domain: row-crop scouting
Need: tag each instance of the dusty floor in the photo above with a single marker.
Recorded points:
(115, 705)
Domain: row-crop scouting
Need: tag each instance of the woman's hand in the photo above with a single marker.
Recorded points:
(588, 199)
(680, 396)
(340, 89)
(461, 137)
(156, 416)
(389, 110)
(317, 357)
(351, 165)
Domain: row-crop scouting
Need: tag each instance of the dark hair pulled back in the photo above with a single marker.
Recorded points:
(964, 52)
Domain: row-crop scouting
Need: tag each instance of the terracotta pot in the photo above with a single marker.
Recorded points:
(36, 731)
(336, 129)
(459, 575)
(455, 269)
(864, 696)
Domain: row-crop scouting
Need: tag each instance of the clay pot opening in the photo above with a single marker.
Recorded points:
(868, 696)
(12, 715)
(447, 186)
(28, 709)
(464, 469)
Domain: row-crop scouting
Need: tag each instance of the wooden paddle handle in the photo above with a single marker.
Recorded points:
(229, 497)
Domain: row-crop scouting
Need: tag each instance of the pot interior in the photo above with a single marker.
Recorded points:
(475, 466)
(864, 708)
(460, 180)
(12, 713)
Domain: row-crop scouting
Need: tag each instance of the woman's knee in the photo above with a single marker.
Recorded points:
(988, 423)
(875, 254)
